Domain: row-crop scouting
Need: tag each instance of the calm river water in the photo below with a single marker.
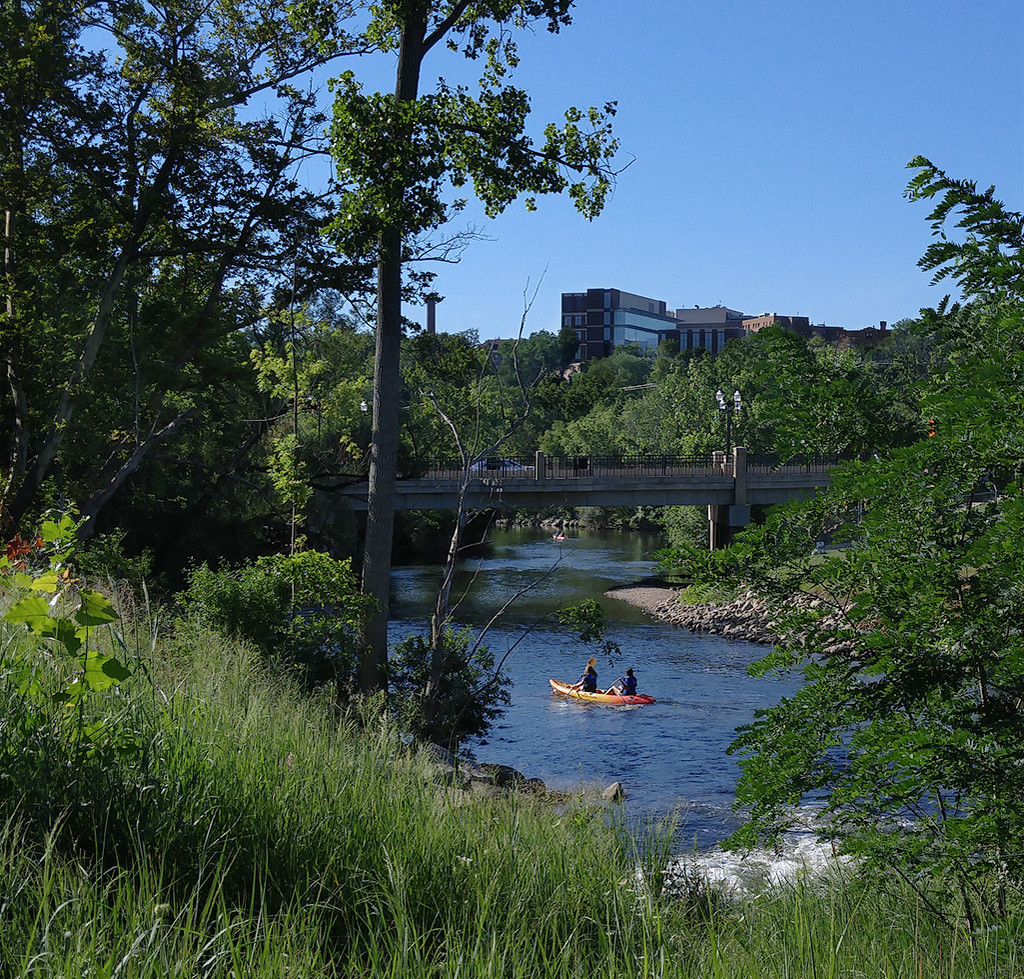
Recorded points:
(669, 756)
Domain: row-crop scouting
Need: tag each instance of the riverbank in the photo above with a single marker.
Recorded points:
(745, 617)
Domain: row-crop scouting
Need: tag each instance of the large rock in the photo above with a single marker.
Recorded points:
(479, 778)
(614, 792)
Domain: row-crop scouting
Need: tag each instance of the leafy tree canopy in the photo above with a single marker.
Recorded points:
(911, 637)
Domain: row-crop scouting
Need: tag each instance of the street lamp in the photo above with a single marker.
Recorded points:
(728, 409)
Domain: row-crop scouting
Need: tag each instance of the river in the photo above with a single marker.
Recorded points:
(669, 756)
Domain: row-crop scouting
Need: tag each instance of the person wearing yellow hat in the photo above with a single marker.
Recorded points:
(588, 678)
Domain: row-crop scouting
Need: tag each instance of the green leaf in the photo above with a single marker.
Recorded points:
(71, 694)
(67, 635)
(103, 671)
(34, 612)
(48, 582)
(95, 609)
(57, 530)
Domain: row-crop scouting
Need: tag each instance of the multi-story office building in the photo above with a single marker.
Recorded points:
(709, 327)
(798, 324)
(608, 318)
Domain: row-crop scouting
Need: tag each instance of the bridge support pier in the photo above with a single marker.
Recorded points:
(723, 522)
(725, 519)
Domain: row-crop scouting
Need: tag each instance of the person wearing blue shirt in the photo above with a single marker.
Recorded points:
(588, 679)
(625, 685)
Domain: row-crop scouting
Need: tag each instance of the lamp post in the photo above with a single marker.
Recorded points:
(728, 408)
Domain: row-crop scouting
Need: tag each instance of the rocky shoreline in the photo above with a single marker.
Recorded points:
(746, 617)
(467, 776)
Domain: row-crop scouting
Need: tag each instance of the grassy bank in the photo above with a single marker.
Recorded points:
(236, 828)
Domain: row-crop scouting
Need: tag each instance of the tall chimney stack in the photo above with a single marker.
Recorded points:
(431, 315)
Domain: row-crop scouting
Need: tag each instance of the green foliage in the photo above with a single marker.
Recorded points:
(67, 617)
(301, 610)
(799, 397)
(318, 363)
(685, 527)
(470, 695)
(989, 260)
(693, 561)
(452, 414)
(399, 154)
(586, 622)
(912, 647)
(107, 557)
(254, 831)
(255, 834)
(144, 242)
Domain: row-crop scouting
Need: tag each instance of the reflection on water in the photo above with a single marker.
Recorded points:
(669, 755)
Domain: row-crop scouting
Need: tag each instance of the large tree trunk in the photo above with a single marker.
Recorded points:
(386, 391)
(380, 517)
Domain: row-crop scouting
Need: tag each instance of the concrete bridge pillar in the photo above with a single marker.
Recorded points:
(725, 519)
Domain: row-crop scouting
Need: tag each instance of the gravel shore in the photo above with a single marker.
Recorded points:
(744, 618)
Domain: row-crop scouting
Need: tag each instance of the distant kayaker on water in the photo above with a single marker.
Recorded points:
(625, 685)
(588, 679)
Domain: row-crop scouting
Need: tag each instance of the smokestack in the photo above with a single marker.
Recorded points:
(431, 315)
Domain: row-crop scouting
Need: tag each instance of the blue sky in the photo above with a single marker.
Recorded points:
(769, 144)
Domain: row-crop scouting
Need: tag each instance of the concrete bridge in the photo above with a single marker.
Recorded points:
(728, 487)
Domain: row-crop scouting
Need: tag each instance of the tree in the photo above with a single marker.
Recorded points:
(152, 213)
(397, 153)
(541, 354)
(315, 367)
(908, 725)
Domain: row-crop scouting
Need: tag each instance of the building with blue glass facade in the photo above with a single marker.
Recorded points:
(608, 318)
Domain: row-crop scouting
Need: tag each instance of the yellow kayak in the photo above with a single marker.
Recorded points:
(565, 689)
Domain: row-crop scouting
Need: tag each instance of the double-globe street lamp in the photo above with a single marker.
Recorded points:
(728, 408)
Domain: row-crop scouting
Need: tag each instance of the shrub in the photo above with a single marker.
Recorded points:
(302, 610)
(470, 694)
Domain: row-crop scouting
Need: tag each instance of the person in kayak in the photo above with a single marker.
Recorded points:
(588, 679)
(625, 685)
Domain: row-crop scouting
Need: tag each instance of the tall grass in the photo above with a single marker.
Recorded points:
(255, 832)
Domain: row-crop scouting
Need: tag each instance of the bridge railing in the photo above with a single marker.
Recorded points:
(765, 465)
(635, 465)
(578, 467)
(507, 467)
